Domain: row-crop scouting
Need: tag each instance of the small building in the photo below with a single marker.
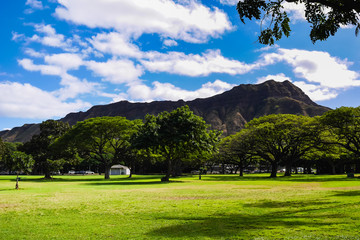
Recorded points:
(119, 170)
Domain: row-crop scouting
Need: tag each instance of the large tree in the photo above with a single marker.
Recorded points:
(20, 163)
(325, 17)
(2, 149)
(176, 135)
(106, 139)
(46, 159)
(237, 149)
(344, 125)
(282, 139)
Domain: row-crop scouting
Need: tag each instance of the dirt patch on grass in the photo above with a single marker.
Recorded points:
(6, 206)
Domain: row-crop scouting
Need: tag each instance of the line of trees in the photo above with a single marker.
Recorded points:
(179, 140)
(171, 140)
(329, 142)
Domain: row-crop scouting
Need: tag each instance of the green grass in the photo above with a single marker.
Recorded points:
(217, 207)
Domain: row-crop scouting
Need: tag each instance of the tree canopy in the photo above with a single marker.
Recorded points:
(46, 159)
(176, 135)
(107, 139)
(324, 16)
(344, 124)
(237, 149)
(281, 139)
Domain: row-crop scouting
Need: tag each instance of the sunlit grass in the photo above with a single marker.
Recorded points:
(217, 207)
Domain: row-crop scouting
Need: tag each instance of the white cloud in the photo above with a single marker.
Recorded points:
(58, 65)
(319, 67)
(229, 2)
(51, 38)
(170, 42)
(317, 92)
(267, 48)
(295, 11)
(26, 101)
(29, 65)
(278, 77)
(116, 44)
(66, 61)
(193, 64)
(35, 4)
(73, 87)
(325, 76)
(17, 36)
(32, 53)
(167, 91)
(186, 20)
(116, 71)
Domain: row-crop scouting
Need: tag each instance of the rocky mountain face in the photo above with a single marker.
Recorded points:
(228, 112)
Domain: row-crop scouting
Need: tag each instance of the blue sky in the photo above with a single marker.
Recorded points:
(61, 56)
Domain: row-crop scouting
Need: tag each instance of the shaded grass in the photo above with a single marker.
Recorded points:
(217, 207)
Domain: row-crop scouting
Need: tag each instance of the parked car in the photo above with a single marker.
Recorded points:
(89, 172)
(71, 172)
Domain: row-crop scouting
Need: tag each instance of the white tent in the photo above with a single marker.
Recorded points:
(119, 170)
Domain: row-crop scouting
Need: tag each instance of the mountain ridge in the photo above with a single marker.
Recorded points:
(228, 111)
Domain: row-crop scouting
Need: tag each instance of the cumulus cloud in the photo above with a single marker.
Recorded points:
(186, 20)
(193, 64)
(278, 77)
(59, 65)
(115, 44)
(26, 101)
(296, 11)
(29, 65)
(317, 92)
(167, 91)
(72, 87)
(316, 67)
(32, 53)
(324, 76)
(49, 37)
(170, 43)
(66, 61)
(116, 71)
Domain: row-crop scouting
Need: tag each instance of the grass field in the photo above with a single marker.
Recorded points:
(217, 207)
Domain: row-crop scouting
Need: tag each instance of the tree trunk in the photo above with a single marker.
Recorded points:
(288, 170)
(274, 166)
(107, 172)
(357, 168)
(241, 168)
(333, 169)
(132, 167)
(47, 175)
(166, 178)
(17, 182)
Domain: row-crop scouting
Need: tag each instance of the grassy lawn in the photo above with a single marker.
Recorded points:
(217, 207)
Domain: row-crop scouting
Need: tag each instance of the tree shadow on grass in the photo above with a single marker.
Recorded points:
(244, 226)
(287, 204)
(85, 178)
(347, 193)
(108, 183)
(294, 178)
